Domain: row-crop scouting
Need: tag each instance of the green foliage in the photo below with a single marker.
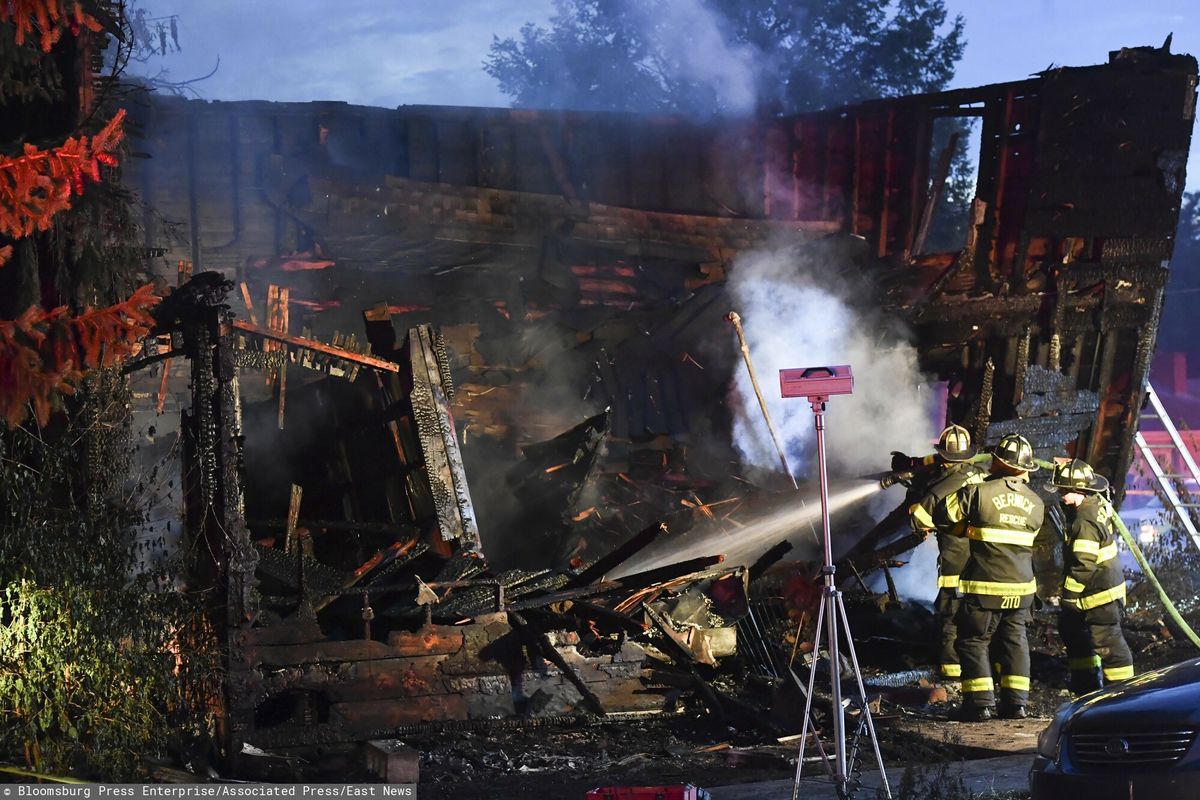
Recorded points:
(95, 245)
(102, 659)
(83, 676)
(727, 55)
(26, 73)
(101, 662)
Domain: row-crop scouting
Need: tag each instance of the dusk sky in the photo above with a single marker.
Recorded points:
(388, 53)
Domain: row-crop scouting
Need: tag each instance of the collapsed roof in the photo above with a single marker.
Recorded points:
(575, 267)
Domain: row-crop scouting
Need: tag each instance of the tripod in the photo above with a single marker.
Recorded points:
(832, 615)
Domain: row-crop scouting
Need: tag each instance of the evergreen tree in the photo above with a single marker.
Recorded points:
(706, 56)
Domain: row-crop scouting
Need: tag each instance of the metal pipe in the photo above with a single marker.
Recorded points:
(804, 726)
(831, 596)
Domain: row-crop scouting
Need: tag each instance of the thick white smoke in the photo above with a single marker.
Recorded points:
(917, 579)
(692, 41)
(796, 314)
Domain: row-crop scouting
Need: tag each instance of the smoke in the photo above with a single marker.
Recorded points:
(798, 312)
(917, 579)
(690, 38)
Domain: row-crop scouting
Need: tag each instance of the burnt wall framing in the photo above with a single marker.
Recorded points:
(1080, 174)
(610, 237)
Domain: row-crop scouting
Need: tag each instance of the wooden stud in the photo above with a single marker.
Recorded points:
(318, 347)
(293, 516)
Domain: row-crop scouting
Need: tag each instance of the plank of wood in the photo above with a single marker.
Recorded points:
(293, 515)
(538, 637)
(618, 556)
(319, 347)
(249, 303)
(384, 556)
(162, 386)
(282, 327)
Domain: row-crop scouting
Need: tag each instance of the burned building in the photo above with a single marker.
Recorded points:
(470, 283)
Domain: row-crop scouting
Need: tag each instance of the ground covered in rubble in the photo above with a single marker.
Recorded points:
(915, 722)
(567, 762)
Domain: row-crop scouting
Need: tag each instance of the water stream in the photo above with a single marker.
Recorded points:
(742, 545)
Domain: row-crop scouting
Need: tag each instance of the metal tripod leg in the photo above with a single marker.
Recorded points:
(808, 700)
(862, 693)
(838, 771)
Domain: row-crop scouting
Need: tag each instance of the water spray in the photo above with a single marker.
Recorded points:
(746, 544)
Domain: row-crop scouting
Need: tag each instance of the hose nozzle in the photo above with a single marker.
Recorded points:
(890, 479)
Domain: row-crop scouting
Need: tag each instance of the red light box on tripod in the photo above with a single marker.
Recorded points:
(816, 381)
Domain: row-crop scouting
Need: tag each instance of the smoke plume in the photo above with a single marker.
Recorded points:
(697, 56)
(800, 313)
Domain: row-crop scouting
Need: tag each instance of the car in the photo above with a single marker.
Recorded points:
(1133, 739)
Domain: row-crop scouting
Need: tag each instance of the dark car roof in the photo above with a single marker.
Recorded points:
(1154, 699)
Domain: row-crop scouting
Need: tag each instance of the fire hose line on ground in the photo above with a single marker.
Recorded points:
(1149, 573)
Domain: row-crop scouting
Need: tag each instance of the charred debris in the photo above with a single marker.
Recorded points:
(442, 375)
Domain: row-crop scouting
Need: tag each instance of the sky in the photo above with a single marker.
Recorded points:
(395, 52)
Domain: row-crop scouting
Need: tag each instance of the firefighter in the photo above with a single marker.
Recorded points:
(931, 515)
(1000, 517)
(1093, 592)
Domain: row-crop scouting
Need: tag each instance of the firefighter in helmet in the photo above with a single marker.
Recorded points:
(1000, 517)
(1093, 592)
(933, 514)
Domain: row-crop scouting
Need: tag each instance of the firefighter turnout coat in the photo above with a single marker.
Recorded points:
(1092, 596)
(938, 512)
(1000, 517)
(1092, 571)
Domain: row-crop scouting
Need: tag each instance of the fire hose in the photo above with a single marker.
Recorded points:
(1149, 573)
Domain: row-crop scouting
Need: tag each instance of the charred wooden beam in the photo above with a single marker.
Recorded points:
(865, 562)
(538, 637)
(320, 347)
(135, 364)
(636, 583)
(650, 577)
(606, 563)
(594, 590)
(767, 560)
(379, 559)
(599, 613)
(439, 445)
(887, 526)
